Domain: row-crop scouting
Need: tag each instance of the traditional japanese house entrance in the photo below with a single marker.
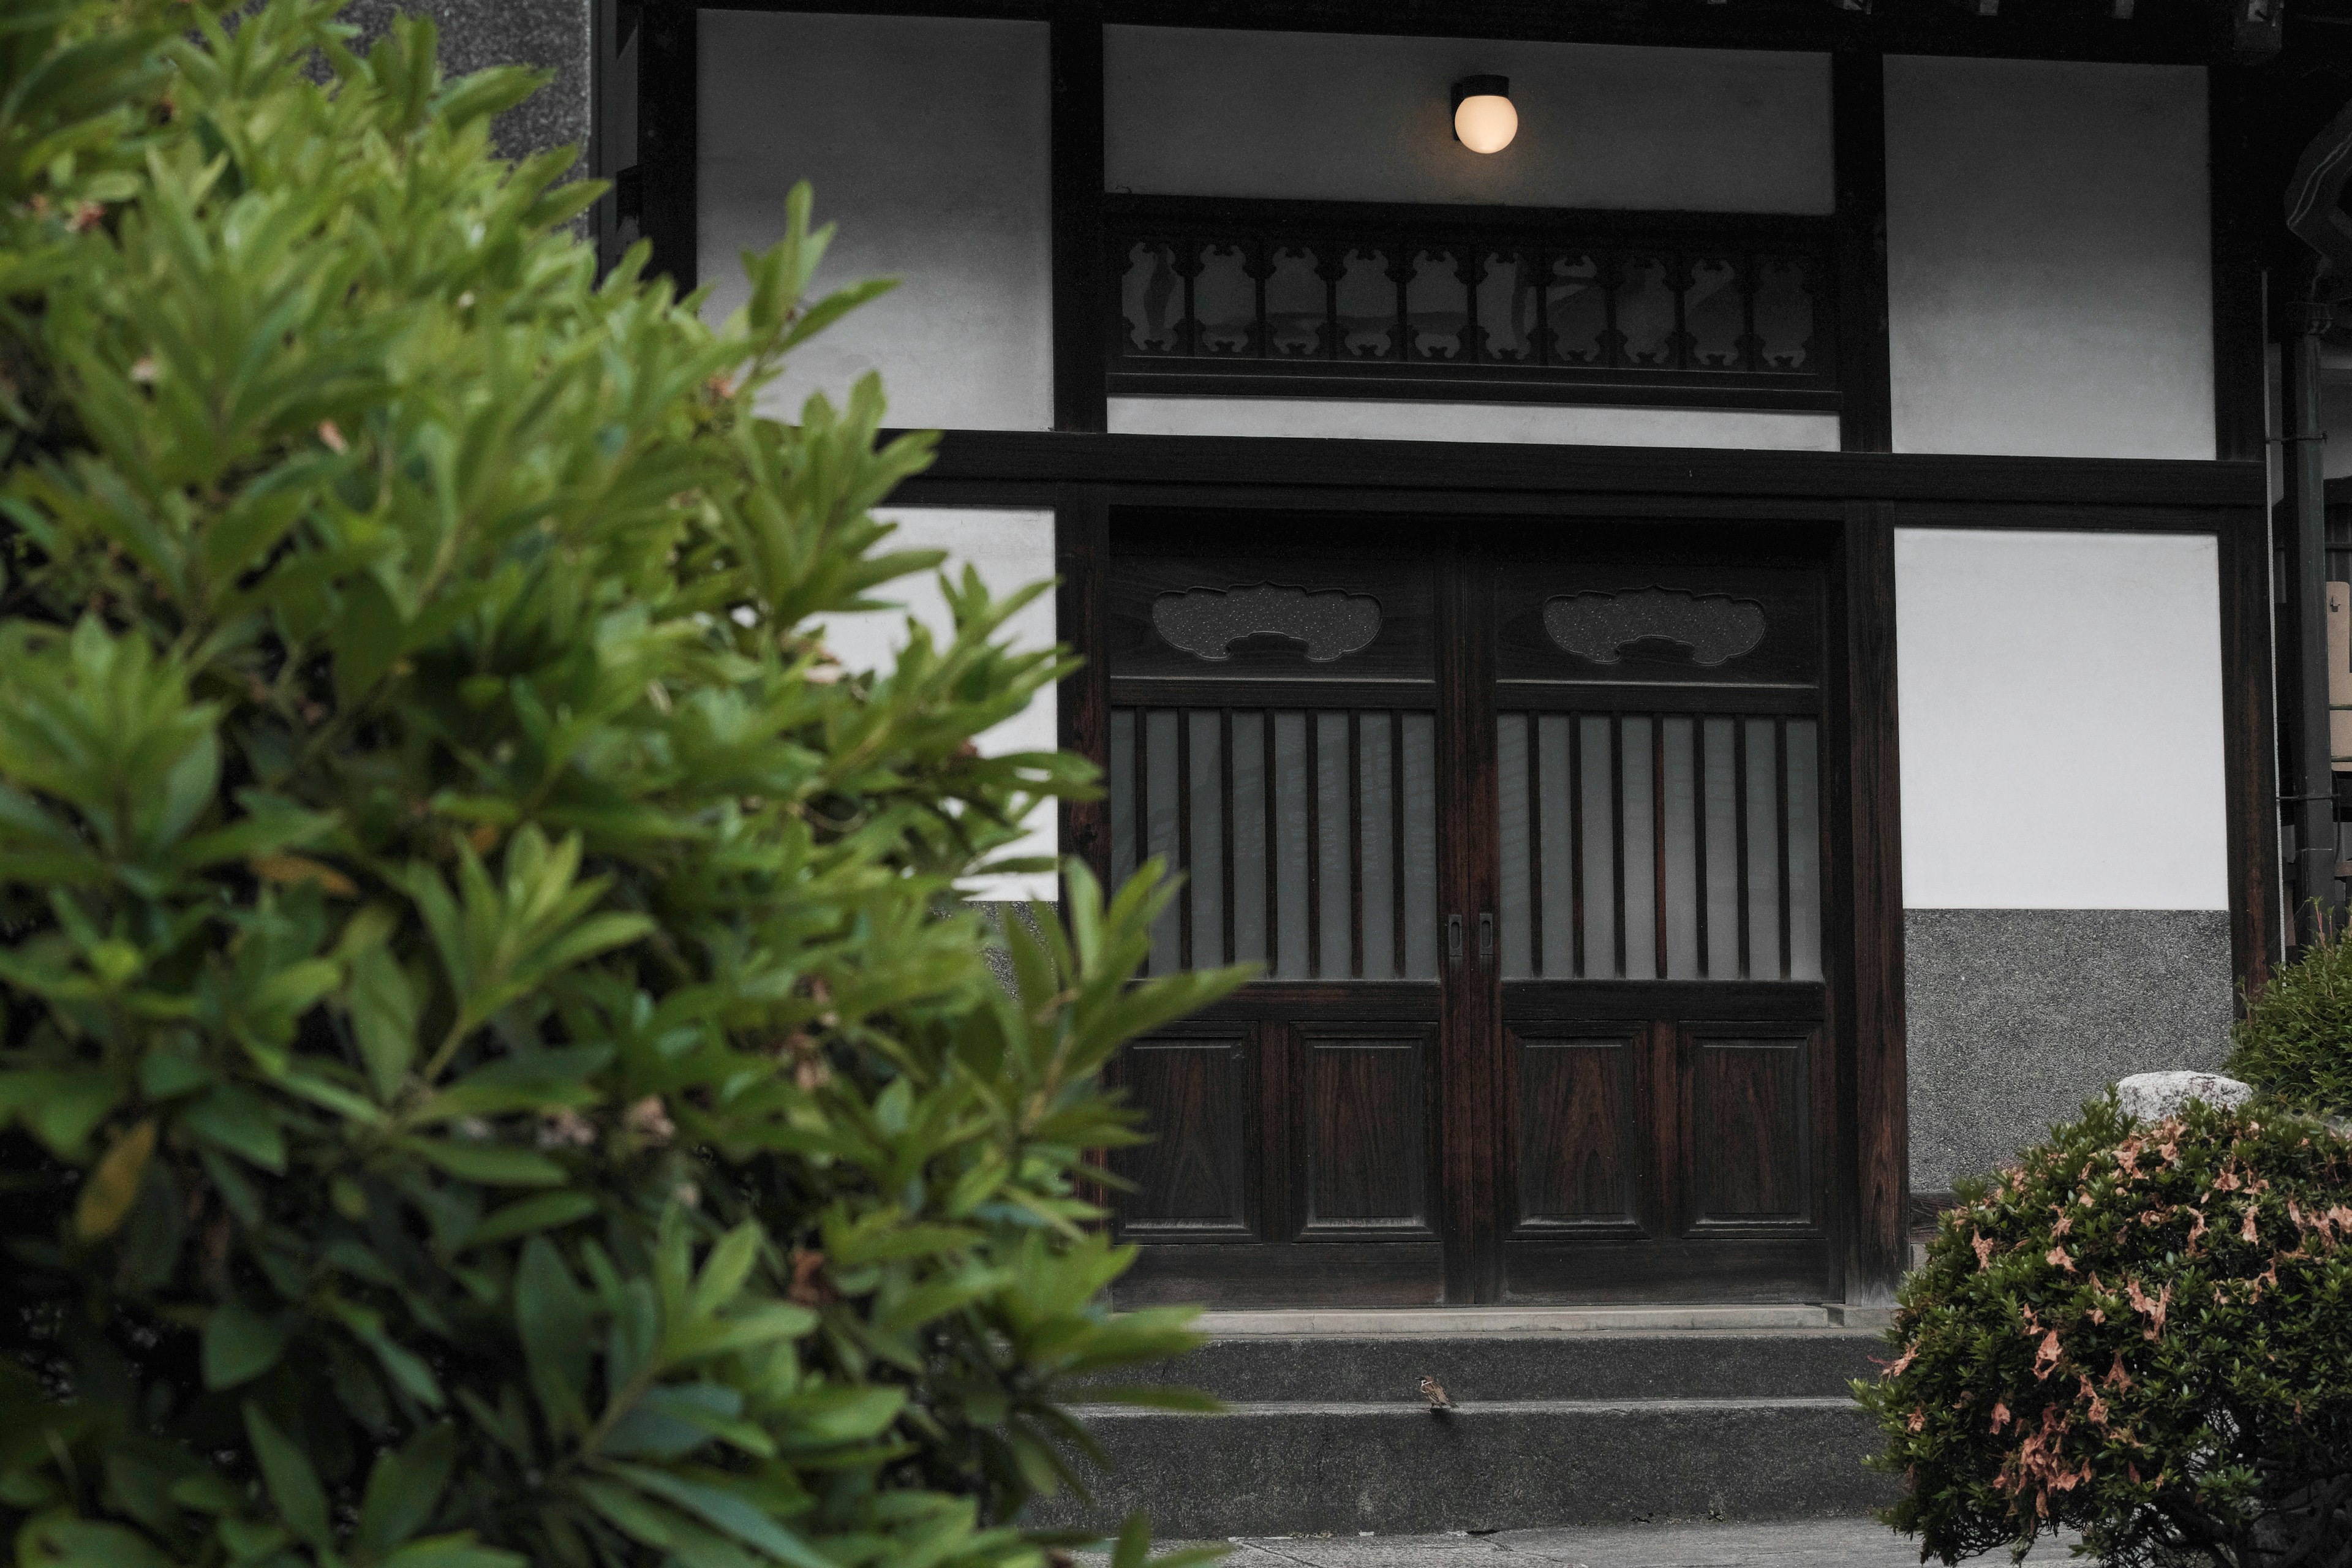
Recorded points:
(1527, 828)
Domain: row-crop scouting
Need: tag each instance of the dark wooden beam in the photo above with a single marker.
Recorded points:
(1076, 65)
(1858, 129)
(669, 103)
(2164, 31)
(1016, 462)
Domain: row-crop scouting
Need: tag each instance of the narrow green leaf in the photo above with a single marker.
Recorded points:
(286, 1471)
(405, 1488)
(239, 1345)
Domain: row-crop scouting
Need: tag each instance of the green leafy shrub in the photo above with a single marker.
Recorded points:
(2295, 1041)
(2144, 1332)
(496, 1071)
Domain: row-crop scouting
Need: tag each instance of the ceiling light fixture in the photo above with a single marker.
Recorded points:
(1483, 118)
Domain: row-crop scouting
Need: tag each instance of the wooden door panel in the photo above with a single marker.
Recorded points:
(1750, 1143)
(1192, 1180)
(1364, 1170)
(1578, 1135)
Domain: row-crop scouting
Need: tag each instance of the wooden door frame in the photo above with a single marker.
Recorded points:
(1082, 477)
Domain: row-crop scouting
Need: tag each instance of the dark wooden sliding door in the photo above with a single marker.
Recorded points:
(1525, 833)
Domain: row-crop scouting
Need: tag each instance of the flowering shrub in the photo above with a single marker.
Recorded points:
(2143, 1332)
(2294, 1043)
(496, 1073)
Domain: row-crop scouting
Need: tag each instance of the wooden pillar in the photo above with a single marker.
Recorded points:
(1869, 882)
(668, 95)
(1080, 310)
(1858, 130)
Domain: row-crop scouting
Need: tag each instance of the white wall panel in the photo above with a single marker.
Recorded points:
(927, 141)
(2061, 735)
(2049, 277)
(1392, 420)
(1010, 549)
(1347, 116)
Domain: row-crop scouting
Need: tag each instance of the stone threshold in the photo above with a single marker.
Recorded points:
(1405, 1322)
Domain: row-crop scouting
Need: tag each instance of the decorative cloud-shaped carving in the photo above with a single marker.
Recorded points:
(1714, 627)
(1206, 622)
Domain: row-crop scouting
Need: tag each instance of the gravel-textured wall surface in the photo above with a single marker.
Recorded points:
(2018, 1016)
(551, 33)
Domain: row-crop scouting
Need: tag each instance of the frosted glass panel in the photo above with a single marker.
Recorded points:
(1517, 839)
(1249, 868)
(1556, 843)
(1420, 846)
(1334, 836)
(1307, 840)
(1292, 934)
(1721, 841)
(1804, 852)
(1122, 796)
(1764, 845)
(1376, 762)
(1602, 816)
(1205, 858)
(1600, 845)
(1679, 866)
(1641, 891)
(1160, 831)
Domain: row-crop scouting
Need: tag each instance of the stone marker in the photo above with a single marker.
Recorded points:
(2151, 1095)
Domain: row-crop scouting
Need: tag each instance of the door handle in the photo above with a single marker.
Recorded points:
(1454, 941)
(1485, 939)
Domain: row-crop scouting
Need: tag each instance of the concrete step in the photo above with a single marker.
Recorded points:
(1617, 1363)
(1328, 1432)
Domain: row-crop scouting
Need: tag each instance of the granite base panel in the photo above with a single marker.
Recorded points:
(1299, 1469)
(2016, 1016)
(551, 35)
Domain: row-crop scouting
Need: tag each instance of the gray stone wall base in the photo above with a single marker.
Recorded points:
(552, 35)
(2016, 1016)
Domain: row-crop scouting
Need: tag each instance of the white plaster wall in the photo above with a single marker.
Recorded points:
(926, 139)
(1010, 549)
(1343, 117)
(1390, 420)
(2049, 268)
(2060, 730)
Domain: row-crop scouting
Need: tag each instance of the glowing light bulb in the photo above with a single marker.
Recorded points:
(1485, 119)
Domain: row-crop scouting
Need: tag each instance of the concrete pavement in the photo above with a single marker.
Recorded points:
(1809, 1543)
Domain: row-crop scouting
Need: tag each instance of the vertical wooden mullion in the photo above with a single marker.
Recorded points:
(1184, 895)
(1534, 722)
(1081, 301)
(1576, 845)
(1617, 834)
(1658, 836)
(1698, 831)
(1314, 728)
(1355, 844)
(1396, 839)
(1781, 827)
(1273, 846)
(1225, 825)
(1739, 828)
